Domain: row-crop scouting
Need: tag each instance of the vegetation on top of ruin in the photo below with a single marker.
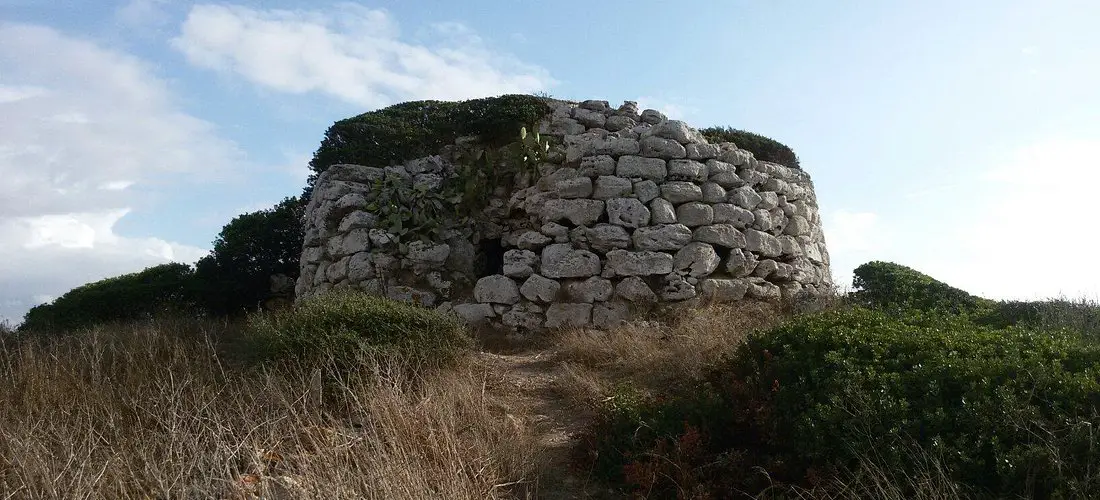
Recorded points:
(415, 129)
(762, 148)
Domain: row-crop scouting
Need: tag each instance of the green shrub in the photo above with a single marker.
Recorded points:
(163, 289)
(345, 324)
(1078, 316)
(762, 148)
(894, 287)
(1009, 411)
(415, 129)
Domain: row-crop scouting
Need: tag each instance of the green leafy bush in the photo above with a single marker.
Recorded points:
(235, 276)
(894, 287)
(415, 129)
(346, 323)
(167, 288)
(1009, 411)
(1078, 316)
(762, 148)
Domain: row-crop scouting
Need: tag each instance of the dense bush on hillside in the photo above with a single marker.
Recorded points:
(1010, 411)
(155, 290)
(350, 322)
(414, 129)
(894, 287)
(1004, 397)
(235, 276)
(762, 148)
(1005, 411)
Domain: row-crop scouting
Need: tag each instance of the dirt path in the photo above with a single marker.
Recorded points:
(532, 378)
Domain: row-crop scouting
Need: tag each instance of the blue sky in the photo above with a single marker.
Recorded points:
(959, 138)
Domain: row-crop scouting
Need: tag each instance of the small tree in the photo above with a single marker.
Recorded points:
(251, 248)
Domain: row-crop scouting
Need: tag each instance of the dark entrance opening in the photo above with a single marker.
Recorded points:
(491, 254)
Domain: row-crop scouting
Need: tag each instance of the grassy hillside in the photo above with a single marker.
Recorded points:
(908, 388)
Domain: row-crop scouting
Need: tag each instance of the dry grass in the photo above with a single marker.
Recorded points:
(654, 355)
(155, 411)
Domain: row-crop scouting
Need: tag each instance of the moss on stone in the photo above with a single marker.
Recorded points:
(415, 129)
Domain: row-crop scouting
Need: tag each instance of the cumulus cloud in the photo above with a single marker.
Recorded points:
(45, 256)
(352, 53)
(84, 133)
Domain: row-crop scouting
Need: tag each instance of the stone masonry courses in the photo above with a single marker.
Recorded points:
(630, 209)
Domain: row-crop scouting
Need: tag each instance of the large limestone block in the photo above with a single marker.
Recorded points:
(561, 260)
(352, 242)
(358, 219)
(608, 187)
(653, 117)
(662, 212)
(360, 267)
(496, 289)
(641, 263)
(666, 237)
(627, 212)
(635, 289)
(594, 289)
(654, 169)
(676, 288)
(762, 243)
(568, 315)
(523, 316)
(607, 237)
(520, 263)
(745, 197)
(431, 255)
(723, 235)
(701, 151)
(687, 170)
(608, 315)
(659, 147)
(646, 190)
(694, 214)
(696, 260)
(679, 192)
(539, 288)
(474, 314)
(728, 213)
(580, 212)
(678, 131)
(595, 166)
(723, 290)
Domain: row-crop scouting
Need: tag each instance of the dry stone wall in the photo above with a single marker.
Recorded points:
(629, 209)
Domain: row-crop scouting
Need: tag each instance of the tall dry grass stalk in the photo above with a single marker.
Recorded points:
(155, 411)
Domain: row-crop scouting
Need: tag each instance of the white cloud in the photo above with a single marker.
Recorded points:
(45, 256)
(353, 53)
(86, 133)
